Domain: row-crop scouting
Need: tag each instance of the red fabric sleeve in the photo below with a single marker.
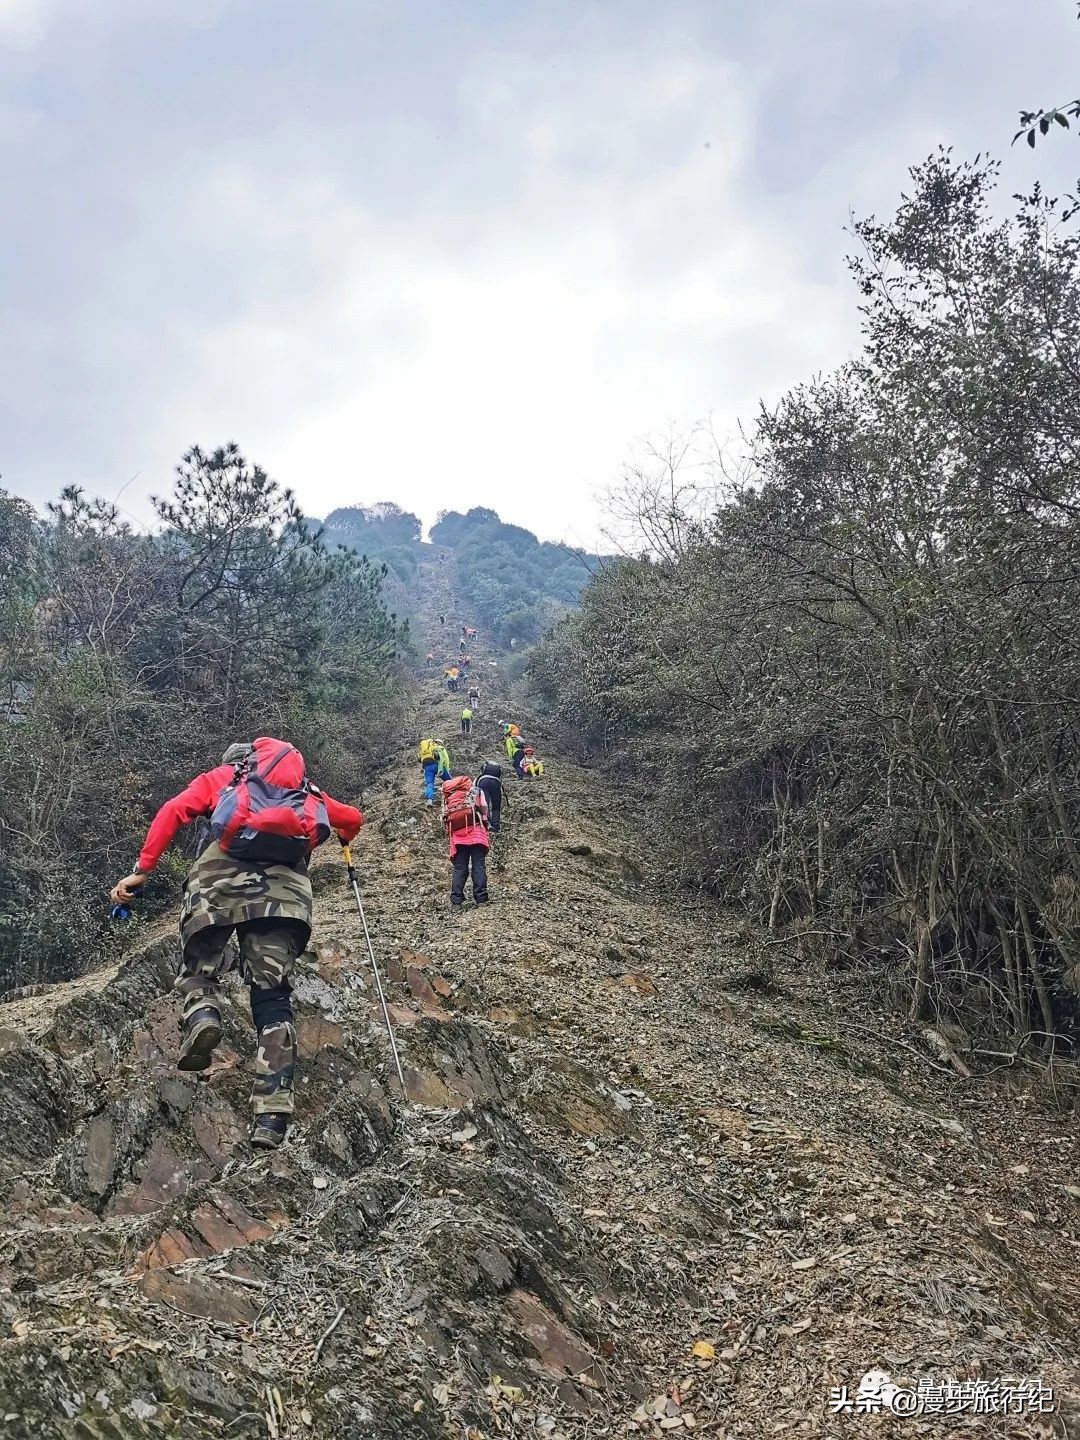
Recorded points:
(198, 798)
(345, 819)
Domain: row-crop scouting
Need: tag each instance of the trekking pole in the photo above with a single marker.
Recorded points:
(347, 854)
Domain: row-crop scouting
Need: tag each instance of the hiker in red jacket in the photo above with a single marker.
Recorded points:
(465, 816)
(251, 879)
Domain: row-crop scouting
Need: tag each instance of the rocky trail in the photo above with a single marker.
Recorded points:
(643, 1184)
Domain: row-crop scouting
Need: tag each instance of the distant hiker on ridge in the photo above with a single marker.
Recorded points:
(466, 720)
(251, 880)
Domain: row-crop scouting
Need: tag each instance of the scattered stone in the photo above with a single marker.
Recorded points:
(558, 1351)
(98, 1157)
(197, 1296)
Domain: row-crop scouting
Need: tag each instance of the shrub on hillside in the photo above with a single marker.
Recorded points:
(850, 689)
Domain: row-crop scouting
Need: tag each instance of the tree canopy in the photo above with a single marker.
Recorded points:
(851, 689)
(130, 661)
(515, 584)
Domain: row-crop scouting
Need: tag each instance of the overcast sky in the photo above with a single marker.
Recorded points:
(458, 252)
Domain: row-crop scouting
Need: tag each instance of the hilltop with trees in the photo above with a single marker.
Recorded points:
(517, 584)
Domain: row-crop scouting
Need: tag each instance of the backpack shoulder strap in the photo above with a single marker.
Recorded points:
(240, 769)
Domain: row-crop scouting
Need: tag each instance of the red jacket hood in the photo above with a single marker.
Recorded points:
(289, 771)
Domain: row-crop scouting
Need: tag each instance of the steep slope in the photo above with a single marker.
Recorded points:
(617, 1149)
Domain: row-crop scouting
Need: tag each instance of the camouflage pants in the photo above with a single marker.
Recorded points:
(267, 951)
(223, 891)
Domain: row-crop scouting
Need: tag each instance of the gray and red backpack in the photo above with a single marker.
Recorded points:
(270, 813)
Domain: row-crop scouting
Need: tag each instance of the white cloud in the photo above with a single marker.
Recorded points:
(607, 284)
(443, 258)
(23, 22)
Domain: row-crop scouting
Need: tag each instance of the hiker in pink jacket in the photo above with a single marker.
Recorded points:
(465, 815)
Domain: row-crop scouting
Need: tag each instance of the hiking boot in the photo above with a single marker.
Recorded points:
(202, 1034)
(268, 1131)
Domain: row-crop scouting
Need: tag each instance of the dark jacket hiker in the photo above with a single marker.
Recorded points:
(490, 785)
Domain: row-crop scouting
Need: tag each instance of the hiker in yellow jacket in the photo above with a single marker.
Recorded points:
(426, 754)
(436, 765)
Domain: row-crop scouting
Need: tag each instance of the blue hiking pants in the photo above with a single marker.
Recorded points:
(430, 767)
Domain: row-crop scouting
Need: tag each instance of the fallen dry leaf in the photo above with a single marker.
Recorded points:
(703, 1350)
(807, 1264)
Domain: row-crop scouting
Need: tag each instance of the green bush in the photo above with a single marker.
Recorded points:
(130, 662)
